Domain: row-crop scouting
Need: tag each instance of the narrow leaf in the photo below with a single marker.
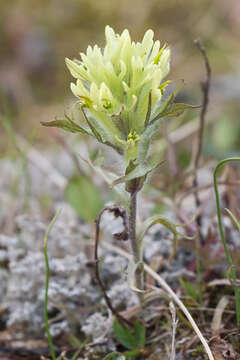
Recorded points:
(131, 276)
(143, 145)
(67, 125)
(149, 109)
(177, 109)
(189, 288)
(45, 251)
(164, 106)
(140, 170)
(234, 219)
(94, 131)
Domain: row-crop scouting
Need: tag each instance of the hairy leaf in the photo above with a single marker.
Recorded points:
(167, 103)
(143, 145)
(67, 125)
(176, 109)
(140, 170)
(94, 131)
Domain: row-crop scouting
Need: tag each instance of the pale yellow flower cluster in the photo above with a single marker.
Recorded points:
(115, 83)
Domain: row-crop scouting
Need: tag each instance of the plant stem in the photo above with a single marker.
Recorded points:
(199, 272)
(136, 251)
(222, 235)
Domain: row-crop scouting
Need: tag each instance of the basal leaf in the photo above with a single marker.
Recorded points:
(124, 336)
(109, 177)
(84, 197)
(114, 356)
(140, 333)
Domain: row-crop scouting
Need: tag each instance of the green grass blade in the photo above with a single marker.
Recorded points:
(234, 219)
(222, 235)
(50, 342)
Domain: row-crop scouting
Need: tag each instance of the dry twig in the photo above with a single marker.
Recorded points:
(117, 211)
(174, 329)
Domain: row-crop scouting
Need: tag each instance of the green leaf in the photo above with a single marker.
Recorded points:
(109, 177)
(140, 170)
(114, 356)
(67, 125)
(140, 333)
(124, 336)
(138, 121)
(132, 354)
(101, 132)
(234, 219)
(144, 142)
(190, 289)
(84, 197)
(163, 107)
(177, 109)
(149, 109)
(157, 58)
(94, 131)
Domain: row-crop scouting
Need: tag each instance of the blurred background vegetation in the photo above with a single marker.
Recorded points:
(36, 36)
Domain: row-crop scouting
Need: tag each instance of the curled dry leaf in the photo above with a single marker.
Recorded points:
(222, 350)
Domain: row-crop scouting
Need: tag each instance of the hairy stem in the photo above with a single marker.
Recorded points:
(135, 246)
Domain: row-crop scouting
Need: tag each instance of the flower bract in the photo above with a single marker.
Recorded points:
(115, 85)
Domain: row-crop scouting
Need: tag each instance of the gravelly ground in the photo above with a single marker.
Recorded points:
(75, 302)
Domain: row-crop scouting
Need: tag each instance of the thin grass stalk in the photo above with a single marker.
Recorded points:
(222, 235)
(50, 341)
